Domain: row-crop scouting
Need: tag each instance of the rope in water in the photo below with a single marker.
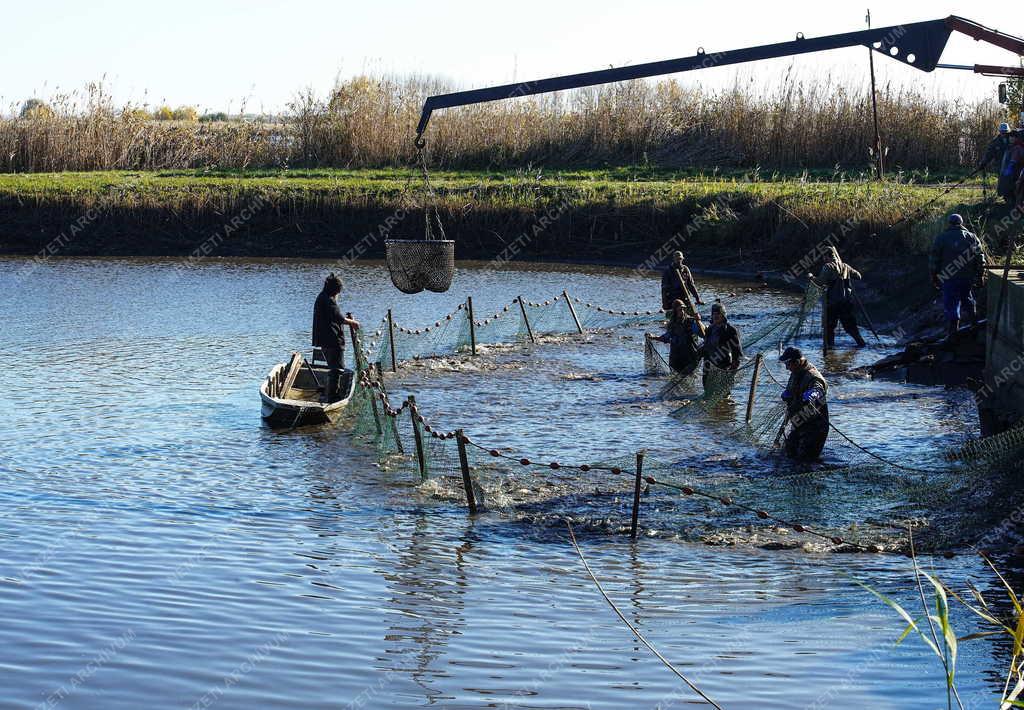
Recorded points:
(633, 629)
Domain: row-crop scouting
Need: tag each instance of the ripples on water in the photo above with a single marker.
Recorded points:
(159, 547)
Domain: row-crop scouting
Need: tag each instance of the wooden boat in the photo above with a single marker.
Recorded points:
(292, 393)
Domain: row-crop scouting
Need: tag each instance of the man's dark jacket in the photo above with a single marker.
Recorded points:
(328, 323)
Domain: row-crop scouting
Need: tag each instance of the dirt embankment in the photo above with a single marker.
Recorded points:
(777, 228)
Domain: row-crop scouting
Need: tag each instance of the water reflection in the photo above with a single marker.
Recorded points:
(149, 446)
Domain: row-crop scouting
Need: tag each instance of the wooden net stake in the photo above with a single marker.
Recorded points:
(572, 311)
(472, 325)
(753, 386)
(636, 494)
(529, 330)
(467, 480)
(418, 435)
(391, 420)
(391, 340)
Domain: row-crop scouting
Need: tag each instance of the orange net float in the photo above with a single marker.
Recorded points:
(524, 462)
(585, 468)
(554, 465)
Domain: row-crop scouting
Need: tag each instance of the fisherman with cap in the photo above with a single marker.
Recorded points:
(329, 332)
(677, 284)
(999, 149)
(806, 408)
(836, 278)
(682, 333)
(722, 349)
(956, 265)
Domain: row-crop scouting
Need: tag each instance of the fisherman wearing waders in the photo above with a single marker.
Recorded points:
(806, 408)
(722, 349)
(329, 333)
(999, 149)
(957, 264)
(677, 284)
(836, 277)
(682, 333)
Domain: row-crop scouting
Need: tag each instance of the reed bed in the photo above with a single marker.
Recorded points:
(368, 122)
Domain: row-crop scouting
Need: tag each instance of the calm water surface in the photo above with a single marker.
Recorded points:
(159, 547)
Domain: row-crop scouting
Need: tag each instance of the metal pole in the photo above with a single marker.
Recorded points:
(391, 340)
(575, 318)
(472, 325)
(825, 320)
(636, 493)
(864, 312)
(686, 294)
(880, 166)
(467, 480)
(420, 457)
(529, 330)
(753, 386)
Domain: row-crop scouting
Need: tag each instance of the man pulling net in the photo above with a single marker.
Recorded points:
(806, 408)
(682, 333)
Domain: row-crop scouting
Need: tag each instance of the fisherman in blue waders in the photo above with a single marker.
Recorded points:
(957, 265)
(806, 408)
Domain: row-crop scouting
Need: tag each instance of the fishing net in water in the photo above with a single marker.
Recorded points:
(854, 495)
(803, 321)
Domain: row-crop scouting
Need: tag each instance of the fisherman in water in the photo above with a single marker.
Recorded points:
(722, 349)
(329, 333)
(837, 279)
(806, 408)
(957, 264)
(682, 333)
(677, 284)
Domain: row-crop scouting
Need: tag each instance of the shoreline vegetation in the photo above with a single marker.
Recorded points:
(369, 122)
(748, 178)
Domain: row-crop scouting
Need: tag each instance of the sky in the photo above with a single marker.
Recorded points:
(219, 54)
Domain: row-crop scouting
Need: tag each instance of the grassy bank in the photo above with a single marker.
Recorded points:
(622, 215)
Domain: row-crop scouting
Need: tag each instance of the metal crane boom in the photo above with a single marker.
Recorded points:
(918, 44)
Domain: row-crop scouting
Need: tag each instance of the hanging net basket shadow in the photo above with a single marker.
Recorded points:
(421, 264)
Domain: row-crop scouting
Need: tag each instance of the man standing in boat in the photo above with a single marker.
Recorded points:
(329, 332)
(677, 284)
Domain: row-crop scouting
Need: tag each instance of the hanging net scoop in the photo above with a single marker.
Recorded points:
(421, 264)
(426, 264)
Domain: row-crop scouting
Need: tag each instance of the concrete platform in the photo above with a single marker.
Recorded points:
(1004, 359)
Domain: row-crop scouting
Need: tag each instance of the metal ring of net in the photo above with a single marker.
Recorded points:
(421, 264)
